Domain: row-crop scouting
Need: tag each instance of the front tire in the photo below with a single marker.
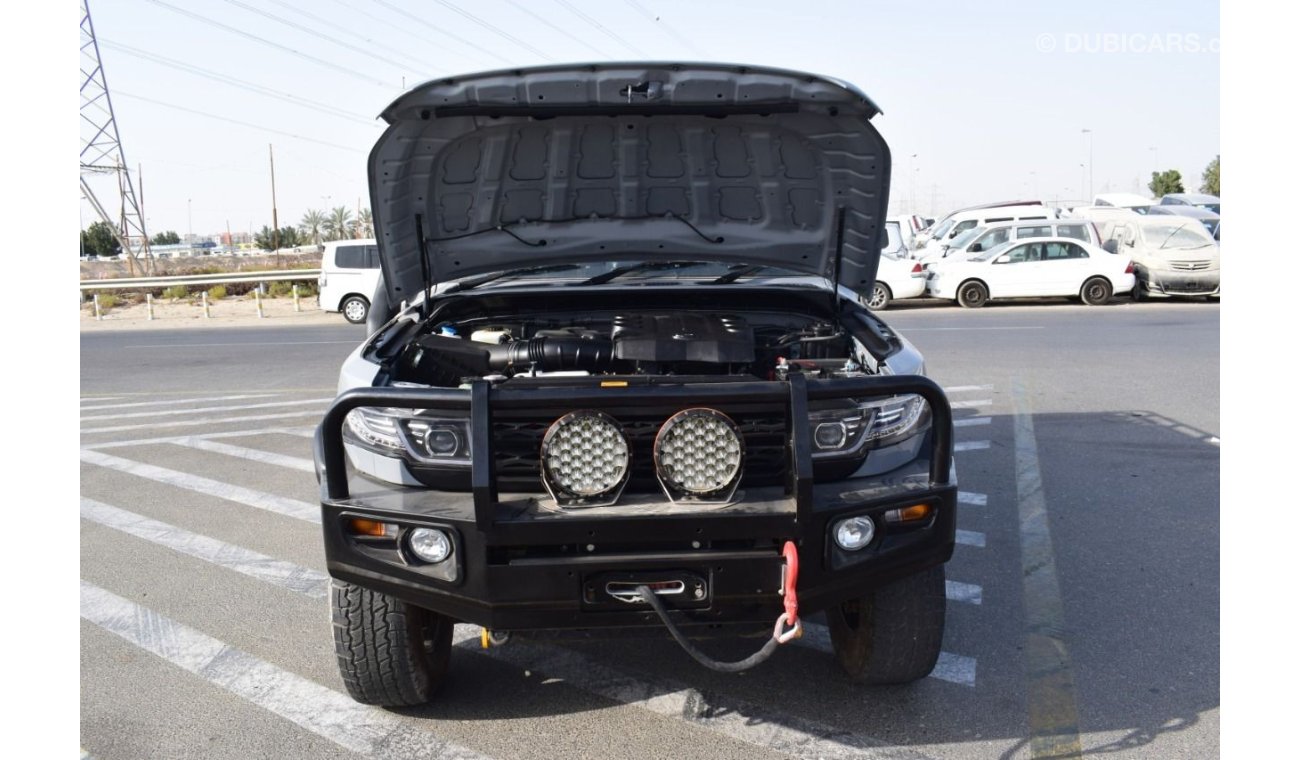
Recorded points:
(881, 295)
(893, 634)
(389, 653)
(972, 294)
(1096, 291)
(355, 309)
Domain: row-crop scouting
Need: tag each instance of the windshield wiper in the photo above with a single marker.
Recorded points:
(1175, 232)
(738, 272)
(474, 282)
(644, 266)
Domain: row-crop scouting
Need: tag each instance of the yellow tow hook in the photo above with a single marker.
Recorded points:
(485, 638)
(488, 639)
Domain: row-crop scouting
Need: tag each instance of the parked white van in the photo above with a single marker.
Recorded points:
(961, 221)
(1172, 255)
(349, 276)
(983, 238)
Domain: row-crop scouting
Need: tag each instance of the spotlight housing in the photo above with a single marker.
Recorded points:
(585, 459)
(699, 456)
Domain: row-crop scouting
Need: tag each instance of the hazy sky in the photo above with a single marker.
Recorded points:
(991, 97)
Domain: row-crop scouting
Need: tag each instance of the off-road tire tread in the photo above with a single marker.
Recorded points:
(901, 632)
(379, 644)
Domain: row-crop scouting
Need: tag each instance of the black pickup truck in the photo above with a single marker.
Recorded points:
(620, 377)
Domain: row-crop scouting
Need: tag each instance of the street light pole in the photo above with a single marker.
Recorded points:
(1088, 132)
(1082, 181)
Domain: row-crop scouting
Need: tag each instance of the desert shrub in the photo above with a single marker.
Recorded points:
(108, 301)
(217, 292)
(176, 292)
(279, 288)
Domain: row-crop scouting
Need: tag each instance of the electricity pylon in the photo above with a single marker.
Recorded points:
(101, 151)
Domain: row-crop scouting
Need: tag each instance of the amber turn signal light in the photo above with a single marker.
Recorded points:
(914, 513)
(362, 527)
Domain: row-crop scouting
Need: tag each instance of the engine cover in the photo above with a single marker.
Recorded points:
(683, 337)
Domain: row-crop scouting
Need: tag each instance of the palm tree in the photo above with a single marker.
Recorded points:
(365, 224)
(312, 224)
(339, 224)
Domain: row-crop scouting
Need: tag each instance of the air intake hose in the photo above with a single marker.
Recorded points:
(552, 354)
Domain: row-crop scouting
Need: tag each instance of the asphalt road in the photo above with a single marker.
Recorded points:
(1083, 595)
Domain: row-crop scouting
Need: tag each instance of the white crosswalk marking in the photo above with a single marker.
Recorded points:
(970, 538)
(174, 401)
(205, 409)
(359, 728)
(972, 498)
(293, 431)
(270, 502)
(964, 592)
(208, 422)
(972, 421)
(243, 452)
(953, 668)
(967, 388)
(970, 404)
(244, 561)
(971, 446)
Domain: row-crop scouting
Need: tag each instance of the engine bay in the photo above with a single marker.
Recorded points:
(686, 343)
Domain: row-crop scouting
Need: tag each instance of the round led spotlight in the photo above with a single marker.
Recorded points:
(698, 455)
(585, 459)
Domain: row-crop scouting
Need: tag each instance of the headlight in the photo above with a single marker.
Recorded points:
(699, 455)
(851, 427)
(585, 459)
(424, 437)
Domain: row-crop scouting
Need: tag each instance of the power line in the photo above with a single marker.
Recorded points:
(346, 30)
(601, 27)
(403, 29)
(639, 8)
(493, 28)
(556, 27)
(314, 33)
(278, 46)
(236, 121)
(240, 83)
(419, 20)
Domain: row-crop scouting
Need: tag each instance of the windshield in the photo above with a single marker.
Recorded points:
(993, 252)
(942, 229)
(961, 241)
(1188, 234)
(893, 238)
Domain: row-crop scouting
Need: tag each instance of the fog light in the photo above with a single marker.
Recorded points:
(430, 544)
(854, 533)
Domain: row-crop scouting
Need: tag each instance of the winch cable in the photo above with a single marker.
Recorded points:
(780, 635)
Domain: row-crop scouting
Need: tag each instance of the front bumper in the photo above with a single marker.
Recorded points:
(1177, 282)
(516, 566)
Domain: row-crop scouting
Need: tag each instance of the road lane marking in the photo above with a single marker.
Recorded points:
(968, 593)
(84, 399)
(971, 445)
(948, 329)
(972, 421)
(206, 421)
(369, 731)
(205, 409)
(970, 404)
(972, 498)
(294, 431)
(244, 561)
(952, 668)
(749, 723)
(1053, 715)
(967, 388)
(250, 343)
(204, 400)
(258, 499)
(243, 452)
(970, 538)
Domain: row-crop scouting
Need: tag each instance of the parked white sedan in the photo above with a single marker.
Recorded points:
(1035, 268)
(895, 278)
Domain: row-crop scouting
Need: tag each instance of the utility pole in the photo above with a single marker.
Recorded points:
(1083, 178)
(1088, 132)
(230, 239)
(275, 216)
(911, 201)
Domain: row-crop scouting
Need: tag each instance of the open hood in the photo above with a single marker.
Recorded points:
(629, 162)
